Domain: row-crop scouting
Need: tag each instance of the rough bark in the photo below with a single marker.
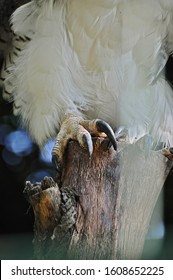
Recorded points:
(102, 206)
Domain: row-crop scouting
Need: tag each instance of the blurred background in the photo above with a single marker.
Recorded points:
(21, 160)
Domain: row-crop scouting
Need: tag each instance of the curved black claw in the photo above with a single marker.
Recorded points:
(105, 127)
(88, 144)
(56, 163)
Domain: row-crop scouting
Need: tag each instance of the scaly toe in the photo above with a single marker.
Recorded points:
(80, 130)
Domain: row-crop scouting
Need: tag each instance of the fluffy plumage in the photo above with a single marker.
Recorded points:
(99, 58)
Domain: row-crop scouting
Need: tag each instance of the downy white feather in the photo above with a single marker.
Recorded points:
(101, 58)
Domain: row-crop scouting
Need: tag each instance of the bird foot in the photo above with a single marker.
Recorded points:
(168, 153)
(80, 130)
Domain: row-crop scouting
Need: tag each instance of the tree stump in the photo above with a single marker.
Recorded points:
(102, 206)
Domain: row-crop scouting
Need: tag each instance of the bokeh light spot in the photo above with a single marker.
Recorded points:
(157, 232)
(38, 175)
(45, 154)
(19, 143)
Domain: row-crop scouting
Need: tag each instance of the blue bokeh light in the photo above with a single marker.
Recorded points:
(19, 143)
(157, 232)
(45, 154)
(38, 175)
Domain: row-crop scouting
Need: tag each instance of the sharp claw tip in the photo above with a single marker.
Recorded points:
(102, 126)
(56, 163)
(90, 151)
(88, 143)
(115, 145)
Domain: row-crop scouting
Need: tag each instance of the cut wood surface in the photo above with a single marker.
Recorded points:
(102, 206)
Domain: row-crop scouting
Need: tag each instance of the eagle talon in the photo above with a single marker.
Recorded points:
(168, 153)
(80, 130)
(56, 163)
(87, 142)
(102, 126)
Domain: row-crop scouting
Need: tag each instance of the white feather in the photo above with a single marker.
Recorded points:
(104, 58)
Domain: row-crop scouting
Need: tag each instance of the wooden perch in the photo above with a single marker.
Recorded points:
(102, 207)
